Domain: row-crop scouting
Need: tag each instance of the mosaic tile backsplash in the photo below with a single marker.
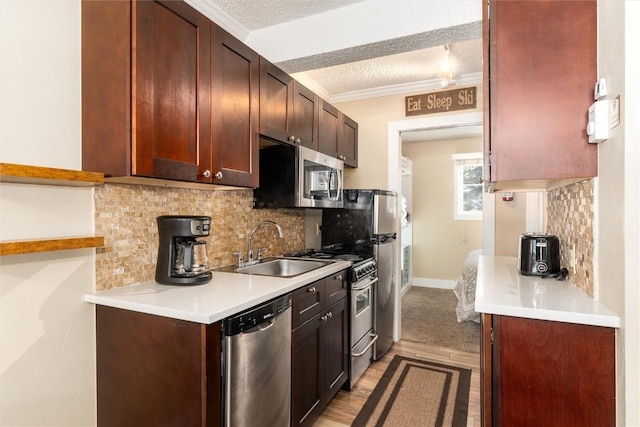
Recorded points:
(126, 216)
(570, 218)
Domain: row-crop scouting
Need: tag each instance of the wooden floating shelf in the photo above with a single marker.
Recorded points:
(24, 174)
(18, 247)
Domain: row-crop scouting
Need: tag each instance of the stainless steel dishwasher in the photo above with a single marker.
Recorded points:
(257, 358)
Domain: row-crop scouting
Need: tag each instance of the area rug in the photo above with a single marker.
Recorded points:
(416, 393)
(429, 317)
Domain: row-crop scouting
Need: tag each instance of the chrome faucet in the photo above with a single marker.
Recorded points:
(253, 230)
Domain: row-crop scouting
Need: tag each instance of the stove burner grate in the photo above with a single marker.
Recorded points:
(349, 257)
(321, 255)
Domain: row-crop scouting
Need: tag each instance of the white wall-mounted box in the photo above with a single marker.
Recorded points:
(598, 125)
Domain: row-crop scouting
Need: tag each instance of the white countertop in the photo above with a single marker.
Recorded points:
(500, 289)
(226, 294)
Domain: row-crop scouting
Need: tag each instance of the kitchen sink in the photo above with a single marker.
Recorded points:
(282, 267)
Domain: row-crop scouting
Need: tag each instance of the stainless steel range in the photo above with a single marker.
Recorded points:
(362, 288)
(369, 220)
(363, 279)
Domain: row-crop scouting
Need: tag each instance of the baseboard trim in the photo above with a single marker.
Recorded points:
(433, 283)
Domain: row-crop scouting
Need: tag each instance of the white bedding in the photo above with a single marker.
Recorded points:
(465, 289)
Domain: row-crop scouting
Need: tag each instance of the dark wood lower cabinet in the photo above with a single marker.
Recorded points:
(336, 349)
(156, 371)
(160, 371)
(545, 373)
(306, 385)
(319, 348)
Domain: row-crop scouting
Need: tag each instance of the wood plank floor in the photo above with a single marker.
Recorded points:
(345, 406)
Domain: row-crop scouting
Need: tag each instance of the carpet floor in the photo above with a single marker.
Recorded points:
(429, 317)
(416, 392)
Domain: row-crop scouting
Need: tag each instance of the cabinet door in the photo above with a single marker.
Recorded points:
(336, 348)
(171, 107)
(348, 142)
(541, 86)
(329, 129)
(336, 287)
(106, 96)
(234, 112)
(305, 117)
(307, 302)
(276, 102)
(486, 383)
(552, 373)
(151, 371)
(306, 371)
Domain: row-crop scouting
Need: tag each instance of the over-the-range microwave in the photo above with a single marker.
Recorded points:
(296, 176)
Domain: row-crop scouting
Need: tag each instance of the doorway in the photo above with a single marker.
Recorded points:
(452, 124)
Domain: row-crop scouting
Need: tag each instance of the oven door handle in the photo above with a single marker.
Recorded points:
(365, 286)
(360, 353)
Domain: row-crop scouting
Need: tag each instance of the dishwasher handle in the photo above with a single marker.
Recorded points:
(269, 323)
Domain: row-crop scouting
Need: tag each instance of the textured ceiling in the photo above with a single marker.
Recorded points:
(255, 15)
(354, 49)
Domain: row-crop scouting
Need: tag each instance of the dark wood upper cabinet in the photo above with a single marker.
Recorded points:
(337, 134)
(235, 111)
(329, 130)
(167, 94)
(305, 116)
(146, 101)
(276, 102)
(171, 67)
(288, 110)
(348, 141)
(540, 70)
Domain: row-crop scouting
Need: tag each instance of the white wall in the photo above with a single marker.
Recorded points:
(47, 361)
(373, 116)
(441, 243)
(632, 212)
(617, 203)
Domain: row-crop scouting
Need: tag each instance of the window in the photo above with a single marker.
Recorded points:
(467, 186)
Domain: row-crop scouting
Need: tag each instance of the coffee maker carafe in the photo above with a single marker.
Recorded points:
(182, 258)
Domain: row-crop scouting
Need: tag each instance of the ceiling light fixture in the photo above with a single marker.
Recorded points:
(446, 74)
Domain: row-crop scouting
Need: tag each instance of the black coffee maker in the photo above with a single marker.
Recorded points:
(182, 258)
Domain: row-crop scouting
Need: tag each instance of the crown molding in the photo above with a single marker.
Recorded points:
(404, 88)
(221, 18)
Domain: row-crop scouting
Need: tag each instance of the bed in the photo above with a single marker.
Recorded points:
(465, 289)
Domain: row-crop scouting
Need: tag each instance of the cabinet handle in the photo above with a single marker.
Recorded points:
(292, 138)
(327, 316)
(338, 277)
(297, 141)
(207, 173)
(312, 290)
(219, 175)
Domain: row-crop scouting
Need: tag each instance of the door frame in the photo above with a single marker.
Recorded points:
(395, 129)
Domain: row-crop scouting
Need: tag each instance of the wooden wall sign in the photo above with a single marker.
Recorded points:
(441, 102)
